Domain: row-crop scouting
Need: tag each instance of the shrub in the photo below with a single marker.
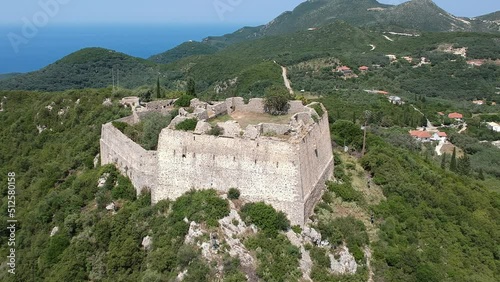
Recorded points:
(187, 125)
(184, 101)
(200, 206)
(318, 109)
(297, 229)
(120, 125)
(233, 194)
(216, 131)
(265, 217)
(345, 191)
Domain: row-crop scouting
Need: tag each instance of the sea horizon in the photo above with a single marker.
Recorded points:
(51, 43)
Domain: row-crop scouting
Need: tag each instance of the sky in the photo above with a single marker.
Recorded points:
(245, 12)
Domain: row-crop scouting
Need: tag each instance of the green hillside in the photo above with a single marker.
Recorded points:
(184, 50)
(87, 68)
(430, 224)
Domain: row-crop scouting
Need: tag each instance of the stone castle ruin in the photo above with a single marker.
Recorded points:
(283, 161)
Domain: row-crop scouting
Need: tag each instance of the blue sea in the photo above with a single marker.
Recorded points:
(51, 43)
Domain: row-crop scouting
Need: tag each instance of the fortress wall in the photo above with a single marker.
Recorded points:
(272, 128)
(316, 164)
(129, 157)
(263, 170)
(218, 109)
(296, 107)
(255, 105)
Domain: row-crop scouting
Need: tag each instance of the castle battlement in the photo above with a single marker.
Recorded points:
(283, 161)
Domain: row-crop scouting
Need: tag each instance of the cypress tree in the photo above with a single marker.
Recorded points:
(191, 87)
(453, 161)
(158, 89)
(463, 165)
(481, 174)
(443, 161)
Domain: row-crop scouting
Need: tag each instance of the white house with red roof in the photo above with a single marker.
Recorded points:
(422, 136)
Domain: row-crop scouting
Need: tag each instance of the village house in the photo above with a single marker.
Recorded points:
(364, 69)
(439, 136)
(346, 72)
(396, 100)
(422, 136)
(493, 126)
(456, 116)
(475, 63)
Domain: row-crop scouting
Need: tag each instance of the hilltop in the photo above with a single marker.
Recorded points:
(87, 68)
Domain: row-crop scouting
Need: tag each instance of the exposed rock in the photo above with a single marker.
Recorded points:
(236, 248)
(305, 262)
(96, 160)
(62, 111)
(202, 127)
(147, 243)
(111, 207)
(178, 119)
(252, 132)
(77, 102)
(312, 235)
(181, 275)
(201, 114)
(107, 102)
(346, 264)
(54, 231)
(196, 103)
(193, 233)
(231, 128)
(102, 180)
(41, 128)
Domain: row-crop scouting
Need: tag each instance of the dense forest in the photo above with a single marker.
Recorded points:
(430, 223)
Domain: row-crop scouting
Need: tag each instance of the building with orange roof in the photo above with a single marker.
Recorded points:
(456, 116)
(422, 136)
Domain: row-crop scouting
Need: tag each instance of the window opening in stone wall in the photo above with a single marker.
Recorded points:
(316, 152)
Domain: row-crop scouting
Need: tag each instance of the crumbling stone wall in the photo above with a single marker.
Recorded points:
(129, 157)
(288, 173)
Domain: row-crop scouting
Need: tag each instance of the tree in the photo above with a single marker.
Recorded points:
(191, 87)
(347, 133)
(481, 174)
(423, 121)
(158, 89)
(276, 101)
(463, 165)
(443, 161)
(453, 161)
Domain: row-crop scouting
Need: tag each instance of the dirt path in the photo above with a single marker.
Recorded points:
(288, 83)
(373, 47)
(388, 38)
(463, 129)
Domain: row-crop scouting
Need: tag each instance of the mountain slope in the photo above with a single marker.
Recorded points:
(186, 49)
(411, 16)
(87, 68)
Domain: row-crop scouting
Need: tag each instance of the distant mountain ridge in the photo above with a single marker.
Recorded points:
(414, 15)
